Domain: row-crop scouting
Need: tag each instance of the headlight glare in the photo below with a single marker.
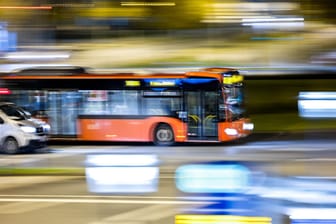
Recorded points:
(231, 131)
(248, 126)
(28, 129)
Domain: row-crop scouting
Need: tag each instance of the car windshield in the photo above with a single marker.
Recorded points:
(15, 112)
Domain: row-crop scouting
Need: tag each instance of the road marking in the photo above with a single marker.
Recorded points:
(204, 198)
(285, 148)
(137, 214)
(13, 181)
(294, 145)
(21, 207)
(143, 215)
(317, 159)
(103, 201)
(316, 177)
(89, 149)
(155, 210)
(15, 160)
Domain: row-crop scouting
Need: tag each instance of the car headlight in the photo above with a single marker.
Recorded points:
(28, 129)
(46, 127)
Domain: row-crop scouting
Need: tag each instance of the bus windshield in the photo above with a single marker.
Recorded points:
(234, 94)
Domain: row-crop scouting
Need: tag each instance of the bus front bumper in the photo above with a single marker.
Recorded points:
(238, 129)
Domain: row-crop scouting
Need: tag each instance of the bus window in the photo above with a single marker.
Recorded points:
(234, 101)
(33, 101)
(112, 102)
(94, 102)
(161, 105)
(124, 102)
(63, 111)
(234, 94)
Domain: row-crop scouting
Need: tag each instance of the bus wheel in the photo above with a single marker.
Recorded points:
(163, 135)
(10, 146)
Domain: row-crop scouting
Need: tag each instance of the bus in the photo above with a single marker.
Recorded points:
(205, 105)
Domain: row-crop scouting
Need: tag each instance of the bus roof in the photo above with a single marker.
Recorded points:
(75, 72)
(17, 68)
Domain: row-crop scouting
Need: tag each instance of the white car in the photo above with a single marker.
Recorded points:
(18, 130)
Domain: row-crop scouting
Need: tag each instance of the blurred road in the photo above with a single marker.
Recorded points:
(284, 174)
(288, 155)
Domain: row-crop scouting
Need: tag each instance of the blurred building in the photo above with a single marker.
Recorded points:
(48, 21)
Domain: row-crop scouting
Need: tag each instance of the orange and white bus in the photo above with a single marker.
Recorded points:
(164, 108)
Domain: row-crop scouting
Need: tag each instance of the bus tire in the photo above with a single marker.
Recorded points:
(10, 146)
(164, 135)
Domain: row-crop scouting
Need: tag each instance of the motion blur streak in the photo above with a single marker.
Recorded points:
(4, 91)
(211, 178)
(147, 3)
(123, 160)
(26, 7)
(312, 215)
(272, 20)
(317, 104)
(122, 173)
(248, 12)
(37, 56)
(213, 219)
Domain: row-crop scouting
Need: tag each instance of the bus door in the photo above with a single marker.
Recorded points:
(62, 112)
(202, 115)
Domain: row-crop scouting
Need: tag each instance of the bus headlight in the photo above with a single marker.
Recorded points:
(248, 126)
(231, 131)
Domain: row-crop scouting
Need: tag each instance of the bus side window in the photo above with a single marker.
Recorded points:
(161, 106)
(120, 109)
(124, 102)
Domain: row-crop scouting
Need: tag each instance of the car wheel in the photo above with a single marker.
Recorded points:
(10, 146)
(163, 135)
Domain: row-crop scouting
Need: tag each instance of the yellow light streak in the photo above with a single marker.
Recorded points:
(148, 3)
(213, 219)
(26, 7)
